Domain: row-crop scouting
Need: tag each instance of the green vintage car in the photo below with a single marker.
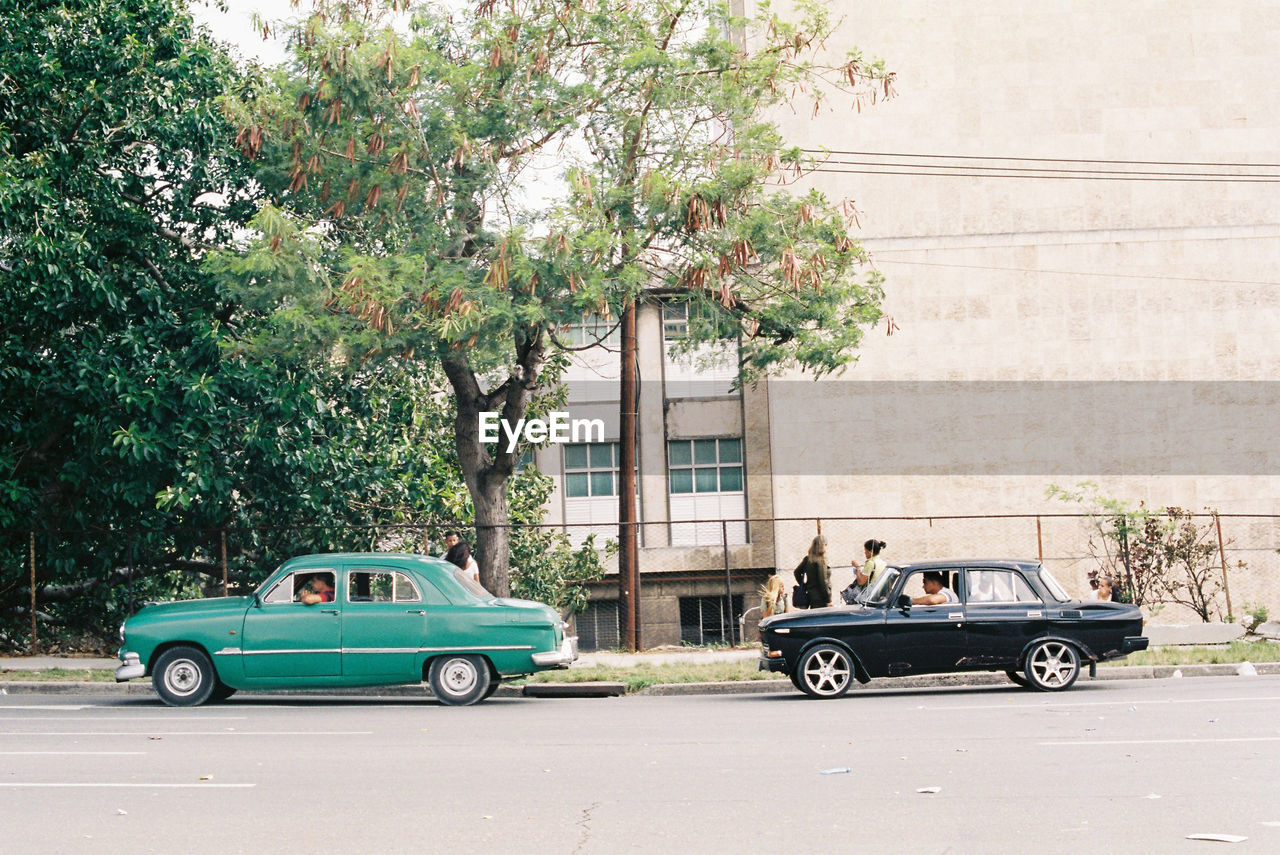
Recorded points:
(330, 621)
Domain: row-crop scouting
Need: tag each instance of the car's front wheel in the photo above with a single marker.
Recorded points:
(460, 680)
(1052, 665)
(826, 671)
(184, 677)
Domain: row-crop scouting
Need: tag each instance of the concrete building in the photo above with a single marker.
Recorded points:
(1071, 204)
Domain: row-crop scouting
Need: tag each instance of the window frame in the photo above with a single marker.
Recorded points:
(970, 587)
(693, 467)
(395, 599)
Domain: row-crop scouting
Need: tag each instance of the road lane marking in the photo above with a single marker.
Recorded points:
(119, 718)
(1049, 705)
(186, 733)
(1163, 741)
(70, 753)
(58, 708)
(67, 785)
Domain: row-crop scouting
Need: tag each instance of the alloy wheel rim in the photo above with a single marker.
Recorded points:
(1054, 664)
(826, 672)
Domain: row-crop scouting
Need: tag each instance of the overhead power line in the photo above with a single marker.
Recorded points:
(1099, 274)
(1076, 169)
(1193, 179)
(1035, 159)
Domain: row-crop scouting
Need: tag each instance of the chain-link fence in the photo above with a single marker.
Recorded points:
(699, 581)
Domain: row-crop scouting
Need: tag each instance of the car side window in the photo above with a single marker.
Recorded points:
(914, 586)
(999, 586)
(381, 586)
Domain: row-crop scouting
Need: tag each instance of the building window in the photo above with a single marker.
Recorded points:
(704, 621)
(590, 469)
(704, 465)
(597, 626)
(675, 321)
(592, 329)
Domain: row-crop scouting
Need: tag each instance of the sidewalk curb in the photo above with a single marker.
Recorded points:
(743, 687)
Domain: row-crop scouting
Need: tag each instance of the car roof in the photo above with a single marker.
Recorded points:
(1027, 564)
(304, 561)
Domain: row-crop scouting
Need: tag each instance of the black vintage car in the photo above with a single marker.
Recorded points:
(1010, 616)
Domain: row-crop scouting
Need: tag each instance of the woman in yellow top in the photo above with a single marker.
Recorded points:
(866, 573)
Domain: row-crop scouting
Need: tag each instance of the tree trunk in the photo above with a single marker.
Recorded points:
(486, 469)
(493, 536)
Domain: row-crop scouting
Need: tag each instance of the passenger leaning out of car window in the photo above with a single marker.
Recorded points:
(317, 590)
(814, 574)
(865, 574)
(936, 591)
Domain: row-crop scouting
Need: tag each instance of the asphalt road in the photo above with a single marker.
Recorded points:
(1115, 767)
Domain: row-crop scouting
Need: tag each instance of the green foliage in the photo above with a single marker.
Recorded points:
(410, 210)
(137, 426)
(1157, 557)
(399, 155)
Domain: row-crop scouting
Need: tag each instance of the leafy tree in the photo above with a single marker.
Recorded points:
(136, 430)
(400, 153)
(115, 165)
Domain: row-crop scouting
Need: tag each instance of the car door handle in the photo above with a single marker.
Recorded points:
(329, 611)
(415, 612)
(955, 616)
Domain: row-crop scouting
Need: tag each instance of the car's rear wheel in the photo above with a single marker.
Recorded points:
(1018, 678)
(460, 680)
(184, 677)
(1052, 665)
(826, 671)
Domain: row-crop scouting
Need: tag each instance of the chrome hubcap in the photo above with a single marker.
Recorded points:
(1053, 664)
(826, 672)
(182, 677)
(459, 676)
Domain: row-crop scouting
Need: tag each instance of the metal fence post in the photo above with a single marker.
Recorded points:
(1039, 541)
(222, 546)
(31, 554)
(1222, 556)
(728, 579)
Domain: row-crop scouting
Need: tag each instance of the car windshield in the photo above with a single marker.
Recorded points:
(881, 587)
(1055, 588)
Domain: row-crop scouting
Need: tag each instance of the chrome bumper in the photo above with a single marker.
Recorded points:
(130, 668)
(562, 658)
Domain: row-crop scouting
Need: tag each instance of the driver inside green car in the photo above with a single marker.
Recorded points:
(318, 589)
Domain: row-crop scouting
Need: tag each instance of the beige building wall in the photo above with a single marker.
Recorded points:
(1035, 279)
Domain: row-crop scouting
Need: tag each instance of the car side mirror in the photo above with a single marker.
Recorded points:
(904, 602)
(257, 601)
